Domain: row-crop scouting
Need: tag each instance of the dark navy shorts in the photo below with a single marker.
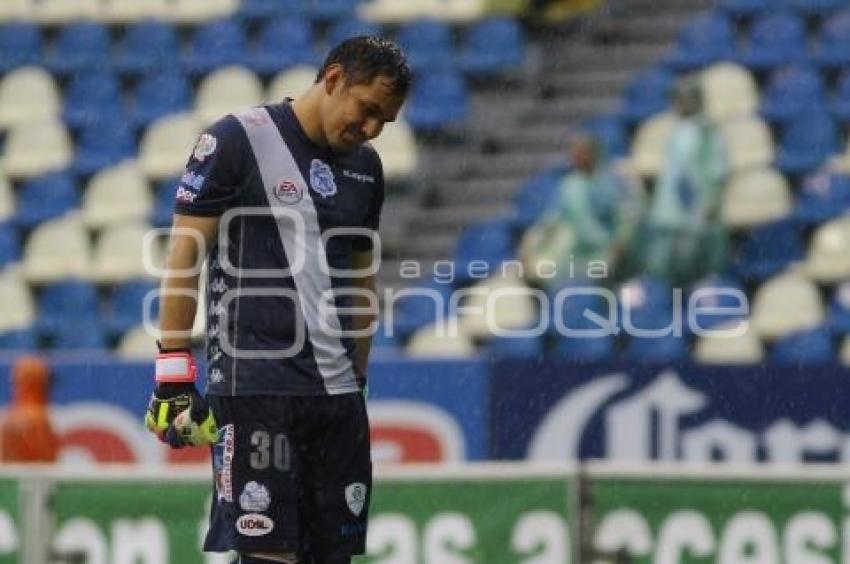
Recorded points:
(291, 474)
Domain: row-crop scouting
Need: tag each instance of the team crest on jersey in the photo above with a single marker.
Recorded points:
(288, 192)
(355, 497)
(322, 178)
(205, 147)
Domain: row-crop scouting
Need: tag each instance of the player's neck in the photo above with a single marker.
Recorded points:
(306, 110)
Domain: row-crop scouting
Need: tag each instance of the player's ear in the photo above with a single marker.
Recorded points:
(334, 78)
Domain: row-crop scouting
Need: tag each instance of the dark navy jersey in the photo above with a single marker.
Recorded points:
(292, 213)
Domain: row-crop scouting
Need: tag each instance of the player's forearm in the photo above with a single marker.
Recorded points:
(363, 321)
(179, 294)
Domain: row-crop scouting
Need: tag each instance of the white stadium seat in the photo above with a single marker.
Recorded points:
(756, 196)
(197, 11)
(28, 94)
(748, 143)
(35, 148)
(511, 307)
(166, 145)
(17, 308)
(393, 11)
(397, 147)
(650, 144)
(12, 10)
(51, 12)
(290, 83)
(57, 249)
(119, 253)
(746, 348)
(828, 258)
(227, 90)
(137, 344)
(729, 91)
(115, 195)
(434, 342)
(786, 304)
(128, 11)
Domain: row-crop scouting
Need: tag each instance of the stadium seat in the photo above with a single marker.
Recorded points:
(197, 11)
(27, 95)
(20, 45)
(325, 10)
(822, 197)
(19, 340)
(68, 302)
(490, 242)
(838, 318)
(17, 308)
(804, 348)
(15, 10)
(349, 27)
(646, 302)
(649, 144)
(792, 92)
(534, 196)
(504, 303)
(91, 97)
(46, 197)
(715, 300)
(657, 350)
(839, 105)
(768, 250)
(137, 344)
(828, 259)
(267, 57)
(8, 204)
(119, 253)
(724, 347)
(102, 143)
(435, 342)
(56, 250)
(744, 8)
(133, 11)
(78, 336)
(578, 309)
(397, 147)
(610, 132)
(832, 49)
(438, 102)
(519, 347)
(116, 195)
(647, 94)
(786, 304)
(81, 47)
(159, 94)
(775, 39)
(163, 207)
(147, 47)
(463, 12)
(427, 43)
(585, 349)
(291, 83)
(166, 145)
(755, 196)
(393, 11)
(704, 40)
(262, 10)
(492, 46)
(53, 12)
(35, 148)
(126, 306)
(806, 143)
(749, 143)
(418, 306)
(729, 91)
(227, 90)
(10, 246)
(813, 8)
(215, 44)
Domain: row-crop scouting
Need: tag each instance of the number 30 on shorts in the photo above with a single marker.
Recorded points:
(270, 450)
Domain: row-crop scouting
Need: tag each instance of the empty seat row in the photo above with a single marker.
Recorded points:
(50, 12)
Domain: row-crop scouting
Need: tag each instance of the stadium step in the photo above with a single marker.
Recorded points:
(614, 57)
(645, 29)
(604, 81)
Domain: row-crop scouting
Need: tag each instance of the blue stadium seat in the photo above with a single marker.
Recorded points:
(69, 302)
(491, 242)
(19, 340)
(838, 317)
(585, 350)
(103, 142)
(163, 207)
(80, 48)
(840, 103)
(514, 347)
(714, 292)
(806, 142)
(611, 133)
(90, 96)
(10, 245)
(577, 308)
(805, 348)
(646, 94)
(20, 45)
(427, 45)
(439, 101)
(534, 196)
(349, 27)
(125, 308)
(46, 197)
(774, 40)
(832, 49)
(706, 39)
(492, 46)
(656, 350)
(85, 335)
(268, 57)
(768, 250)
(822, 197)
(809, 8)
(147, 47)
(414, 311)
(216, 44)
(744, 8)
(647, 302)
(792, 92)
(158, 94)
(260, 10)
(385, 343)
(324, 10)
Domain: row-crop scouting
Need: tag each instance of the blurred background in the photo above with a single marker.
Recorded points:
(680, 167)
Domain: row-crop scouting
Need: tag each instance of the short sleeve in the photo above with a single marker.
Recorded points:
(214, 175)
(373, 216)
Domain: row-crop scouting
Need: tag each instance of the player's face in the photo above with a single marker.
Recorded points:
(357, 113)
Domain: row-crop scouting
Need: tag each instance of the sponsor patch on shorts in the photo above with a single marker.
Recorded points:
(254, 525)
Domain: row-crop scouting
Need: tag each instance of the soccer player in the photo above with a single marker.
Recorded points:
(283, 201)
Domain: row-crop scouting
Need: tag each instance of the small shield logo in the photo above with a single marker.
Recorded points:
(355, 497)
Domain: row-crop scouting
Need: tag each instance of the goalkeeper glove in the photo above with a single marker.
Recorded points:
(177, 414)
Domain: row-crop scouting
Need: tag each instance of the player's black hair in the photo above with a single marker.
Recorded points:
(365, 57)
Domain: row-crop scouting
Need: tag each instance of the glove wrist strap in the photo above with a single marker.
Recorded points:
(178, 366)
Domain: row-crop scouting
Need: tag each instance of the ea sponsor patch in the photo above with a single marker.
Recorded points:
(205, 147)
(322, 178)
(288, 192)
(355, 497)
(223, 464)
(255, 497)
(254, 525)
